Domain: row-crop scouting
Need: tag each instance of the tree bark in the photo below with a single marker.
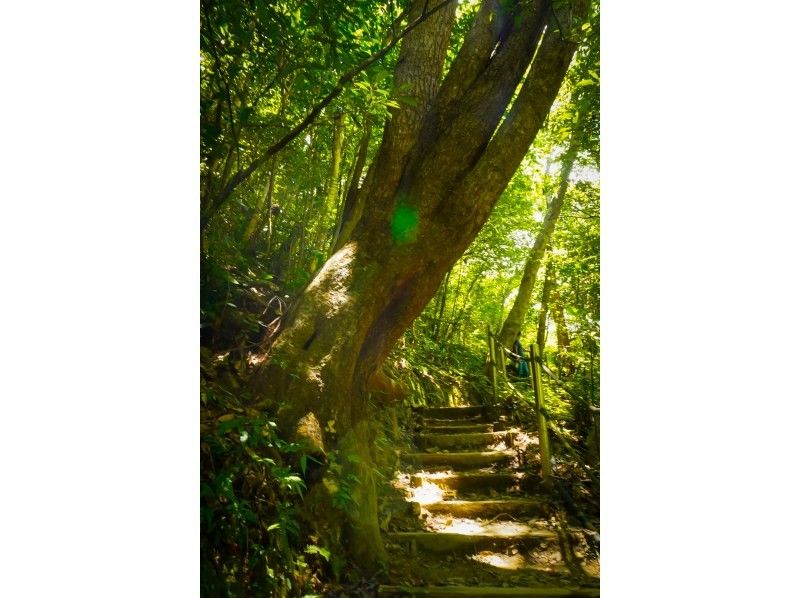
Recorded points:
(427, 194)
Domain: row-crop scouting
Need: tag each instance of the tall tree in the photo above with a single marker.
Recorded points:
(516, 316)
(541, 329)
(446, 155)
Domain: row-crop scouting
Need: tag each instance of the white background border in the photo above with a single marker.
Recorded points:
(99, 302)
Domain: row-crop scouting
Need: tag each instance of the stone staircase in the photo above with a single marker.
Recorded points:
(480, 527)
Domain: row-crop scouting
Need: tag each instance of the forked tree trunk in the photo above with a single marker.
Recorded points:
(443, 162)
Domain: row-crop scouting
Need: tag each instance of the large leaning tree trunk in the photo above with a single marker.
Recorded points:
(444, 160)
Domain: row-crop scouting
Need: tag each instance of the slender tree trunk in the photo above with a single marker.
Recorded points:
(516, 316)
(329, 202)
(261, 212)
(456, 317)
(332, 189)
(437, 323)
(562, 333)
(353, 205)
(440, 169)
(541, 329)
(256, 224)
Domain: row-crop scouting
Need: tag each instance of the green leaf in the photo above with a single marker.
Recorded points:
(323, 552)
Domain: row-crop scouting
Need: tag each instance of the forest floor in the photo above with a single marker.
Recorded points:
(470, 517)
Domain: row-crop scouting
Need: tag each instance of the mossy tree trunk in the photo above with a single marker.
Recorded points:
(444, 159)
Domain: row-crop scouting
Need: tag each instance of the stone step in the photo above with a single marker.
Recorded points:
(489, 592)
(499, 482)
(459, 428)
(445, 421)
(455, 412)
(467, 460)
(489, 508)
(474, 439)
(458, 542)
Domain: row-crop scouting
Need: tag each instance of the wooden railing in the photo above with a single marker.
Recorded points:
(535, 377)
(544, 436)
(545, 425)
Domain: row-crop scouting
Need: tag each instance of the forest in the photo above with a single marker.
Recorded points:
(400, 297)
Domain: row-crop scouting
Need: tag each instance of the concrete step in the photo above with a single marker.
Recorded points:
(489, 592)
(490, 508)
(457, 542)
(474, 439)
(468, 460)
(459, 428)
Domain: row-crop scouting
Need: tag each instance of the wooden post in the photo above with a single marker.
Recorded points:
(501, 360)
(544, 437)
(492, 358)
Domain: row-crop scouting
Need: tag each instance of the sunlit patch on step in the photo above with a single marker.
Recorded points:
(523, 439)
(499, 560)
(425, 494)
(471, 527)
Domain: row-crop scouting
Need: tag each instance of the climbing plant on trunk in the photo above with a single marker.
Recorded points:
(446, 155)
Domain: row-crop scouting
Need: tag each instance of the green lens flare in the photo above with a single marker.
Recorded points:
(404, 225)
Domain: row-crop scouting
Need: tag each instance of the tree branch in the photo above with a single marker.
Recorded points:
(239, 177)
